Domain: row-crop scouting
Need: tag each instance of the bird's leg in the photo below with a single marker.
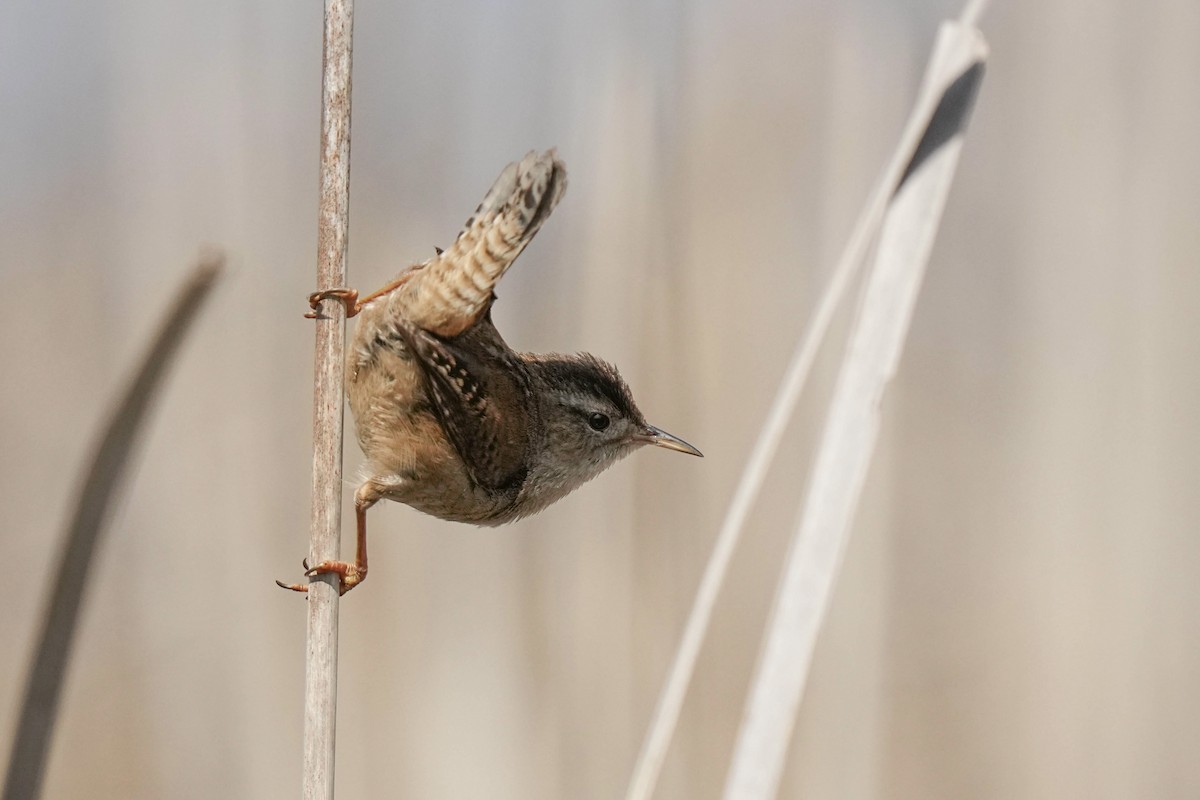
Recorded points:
(349, 575)
(349, 297)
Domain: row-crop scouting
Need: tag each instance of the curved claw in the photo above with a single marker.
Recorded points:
(347, 297)
(295, 587)
(349, 575)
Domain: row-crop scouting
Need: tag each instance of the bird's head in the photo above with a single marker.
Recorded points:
(590, 420)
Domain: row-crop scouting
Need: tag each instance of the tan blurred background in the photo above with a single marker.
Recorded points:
(1018, 613)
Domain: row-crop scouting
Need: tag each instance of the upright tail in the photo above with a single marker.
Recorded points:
(455, 288)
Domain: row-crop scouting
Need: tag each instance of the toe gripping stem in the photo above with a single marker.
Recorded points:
(349, 574)
(347, 297)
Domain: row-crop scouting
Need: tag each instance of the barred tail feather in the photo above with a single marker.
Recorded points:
(457, 285)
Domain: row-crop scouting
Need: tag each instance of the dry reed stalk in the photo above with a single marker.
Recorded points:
(43, 689)
(670, 703)
(921, 175)
(320, 689)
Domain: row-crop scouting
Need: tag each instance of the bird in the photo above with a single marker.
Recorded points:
(452, 421)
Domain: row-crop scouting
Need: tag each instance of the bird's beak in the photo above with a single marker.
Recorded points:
(660, 438)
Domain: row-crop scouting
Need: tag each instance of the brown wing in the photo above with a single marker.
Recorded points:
(480, 403)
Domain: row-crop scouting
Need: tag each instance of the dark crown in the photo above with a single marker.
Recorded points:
(585, 374)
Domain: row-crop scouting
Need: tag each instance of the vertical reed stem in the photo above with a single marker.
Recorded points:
(320, 691)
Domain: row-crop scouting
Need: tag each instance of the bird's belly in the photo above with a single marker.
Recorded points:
(438, 486)
(451, 500)
(409, 457)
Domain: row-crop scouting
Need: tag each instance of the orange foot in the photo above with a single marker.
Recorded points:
(347, 297)
(349, 575)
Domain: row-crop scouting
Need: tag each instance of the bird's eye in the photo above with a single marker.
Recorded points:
(597, 421)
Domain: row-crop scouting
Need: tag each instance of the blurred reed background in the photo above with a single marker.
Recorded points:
(1017, 612)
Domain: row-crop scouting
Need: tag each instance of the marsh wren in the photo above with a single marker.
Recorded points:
(452, 421)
